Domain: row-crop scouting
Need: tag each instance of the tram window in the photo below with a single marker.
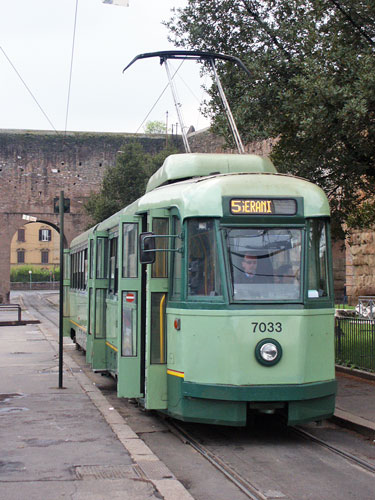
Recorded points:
(73, 270)
(66, 266)
(203, 264)
(101, 257)
(113, 266)
(265, 263)
(76, 280)
(91, 321)
(91, 265)
(82, 270)
(159, 267)
(85, 269)
(66, 302)
(100, 308)
(129, 250)
(318, 260)
(129, 324)
(176, 263)
(158, 331)
(73, 263)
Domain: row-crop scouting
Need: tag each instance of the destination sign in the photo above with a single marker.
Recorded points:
(252, 206)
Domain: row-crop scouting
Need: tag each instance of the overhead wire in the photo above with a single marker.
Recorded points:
(71, 68)
(28, 89)
(158, 99)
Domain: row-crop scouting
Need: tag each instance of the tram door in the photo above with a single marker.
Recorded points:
(131, 293)
(156, 300)
(97, 290)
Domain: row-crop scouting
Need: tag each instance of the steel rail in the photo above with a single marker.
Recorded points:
(29, 305)
(242, 484)
(348, 456)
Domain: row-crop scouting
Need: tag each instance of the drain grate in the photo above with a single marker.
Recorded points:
(105, 472)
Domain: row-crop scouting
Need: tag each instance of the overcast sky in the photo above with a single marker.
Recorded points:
(37, 35)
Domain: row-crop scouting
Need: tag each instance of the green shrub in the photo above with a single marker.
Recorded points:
(21, 274)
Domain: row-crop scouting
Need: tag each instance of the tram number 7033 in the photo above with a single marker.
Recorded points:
(269, 327)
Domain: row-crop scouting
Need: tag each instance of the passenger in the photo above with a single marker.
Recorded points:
(249, 273)
(256, 270)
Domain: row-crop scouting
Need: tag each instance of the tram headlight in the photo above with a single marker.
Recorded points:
(268, 352)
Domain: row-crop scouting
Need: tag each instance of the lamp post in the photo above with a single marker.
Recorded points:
(30, 274)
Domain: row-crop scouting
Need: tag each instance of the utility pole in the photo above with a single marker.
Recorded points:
(61, 304)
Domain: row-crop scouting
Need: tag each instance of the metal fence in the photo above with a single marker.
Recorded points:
(355, 342)
(35, 285)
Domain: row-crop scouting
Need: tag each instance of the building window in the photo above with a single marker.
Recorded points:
(44, 256)
(21, 235)
(44, 235)
(20, 256)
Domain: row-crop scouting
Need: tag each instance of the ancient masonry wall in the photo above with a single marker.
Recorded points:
(36, 166)
(360, 265)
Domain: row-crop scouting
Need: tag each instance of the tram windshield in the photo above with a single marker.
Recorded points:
(265, 263)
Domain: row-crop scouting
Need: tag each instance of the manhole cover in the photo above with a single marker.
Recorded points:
(105, 472)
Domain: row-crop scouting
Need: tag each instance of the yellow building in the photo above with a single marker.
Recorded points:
(35, 244)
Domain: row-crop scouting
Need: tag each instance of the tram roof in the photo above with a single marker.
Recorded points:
(189, 165)
(203, 196)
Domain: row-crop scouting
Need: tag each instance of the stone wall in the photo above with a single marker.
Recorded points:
(339, 269)
(35, 166)
(204, 141)
(360, 265)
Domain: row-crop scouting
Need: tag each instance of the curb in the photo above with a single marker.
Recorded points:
(352, 422)
(355, 372)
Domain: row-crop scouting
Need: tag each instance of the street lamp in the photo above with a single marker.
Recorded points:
(31, 274)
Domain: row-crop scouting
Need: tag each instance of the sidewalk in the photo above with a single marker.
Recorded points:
(67, 443)
(355, 401)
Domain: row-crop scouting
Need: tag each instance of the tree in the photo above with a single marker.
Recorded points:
(155, 127)
(312, 63)
(125, 182)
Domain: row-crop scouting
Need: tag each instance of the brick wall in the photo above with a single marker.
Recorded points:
(35, 166)
(360, 265)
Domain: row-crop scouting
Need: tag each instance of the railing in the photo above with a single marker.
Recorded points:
(35, 285)
(12, 307)
(355, 342)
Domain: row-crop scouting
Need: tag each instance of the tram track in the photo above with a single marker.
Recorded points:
(27, 303)
(250, 490)
(348, 456)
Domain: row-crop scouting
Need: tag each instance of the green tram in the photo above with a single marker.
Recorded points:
(211, 297)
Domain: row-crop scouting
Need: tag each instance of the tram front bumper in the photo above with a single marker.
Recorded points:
(229, 404)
